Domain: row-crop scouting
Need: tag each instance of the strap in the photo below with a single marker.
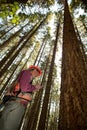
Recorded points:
(14, 98)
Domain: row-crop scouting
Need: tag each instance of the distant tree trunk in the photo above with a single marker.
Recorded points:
(42, 121)
(85, 26)
(73, 105)
(48, 112)
(20, 47)
(39, 53)
(7, 31)
(81, 45)
(85, 2)
(3, 27)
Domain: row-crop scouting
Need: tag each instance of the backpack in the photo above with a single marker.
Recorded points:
(16, 90)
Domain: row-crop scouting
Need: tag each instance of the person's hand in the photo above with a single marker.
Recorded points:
(38, 87)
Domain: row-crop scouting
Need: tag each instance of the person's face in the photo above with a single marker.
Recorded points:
(35, 73)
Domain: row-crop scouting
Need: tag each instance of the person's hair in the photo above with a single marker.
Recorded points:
(34, 69)
(31, 69)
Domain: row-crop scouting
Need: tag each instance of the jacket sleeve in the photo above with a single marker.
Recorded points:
(31, 88)
(20, 75)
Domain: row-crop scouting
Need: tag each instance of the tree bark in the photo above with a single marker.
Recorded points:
(73, 105)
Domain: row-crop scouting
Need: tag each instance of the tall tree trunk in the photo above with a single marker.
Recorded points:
(38, 53)
(41, 53)
(48, 112)
(85, 2)
(7, 31)
(48, 88)
(73, 105)
(3, 27)
(81, 45)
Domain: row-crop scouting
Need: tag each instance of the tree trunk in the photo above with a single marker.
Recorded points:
(48, 88)
(3, 33)
(85, 2)
(81, 45)
(73, 105)
(38, 53)
(3, 27)
(41, 53)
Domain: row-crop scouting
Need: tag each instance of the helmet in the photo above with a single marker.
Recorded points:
(37, 68)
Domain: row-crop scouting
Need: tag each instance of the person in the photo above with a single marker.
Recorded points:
(15, 106)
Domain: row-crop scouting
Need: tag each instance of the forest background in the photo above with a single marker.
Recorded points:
(32, 32)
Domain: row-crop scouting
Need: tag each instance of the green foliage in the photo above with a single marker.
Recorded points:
(9, 11)
(15, 19)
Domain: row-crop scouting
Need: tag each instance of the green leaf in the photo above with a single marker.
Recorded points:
(11, 13)
(13, 9)
(13, 20)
